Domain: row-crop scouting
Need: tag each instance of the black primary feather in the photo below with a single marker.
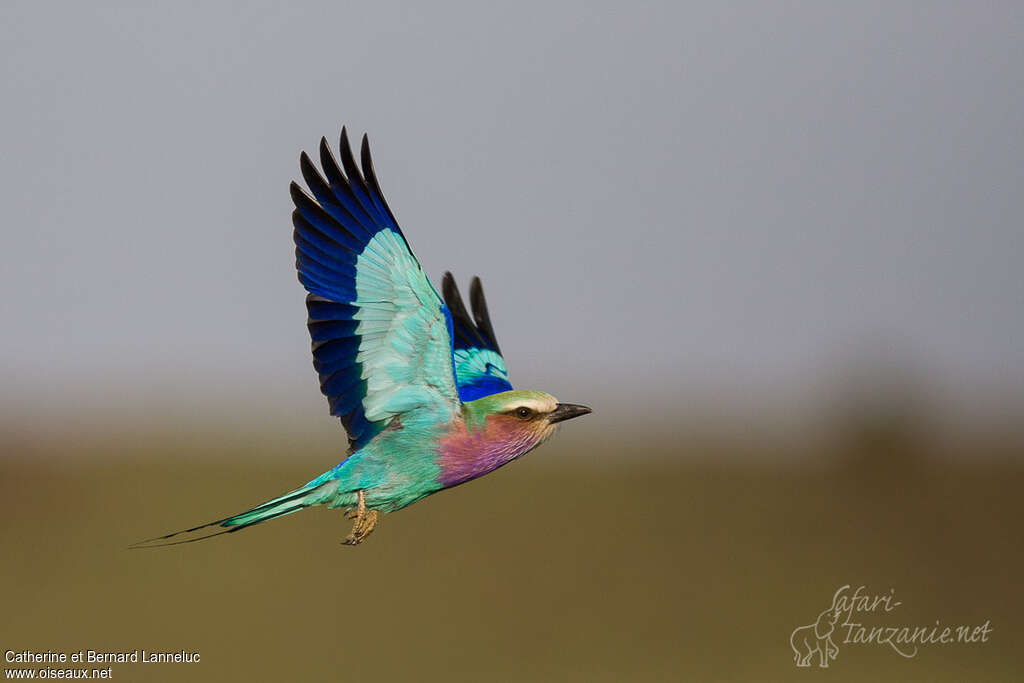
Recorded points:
(480, 314)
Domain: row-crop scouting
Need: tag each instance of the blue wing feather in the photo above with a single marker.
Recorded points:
(479, 366)
(381, 334)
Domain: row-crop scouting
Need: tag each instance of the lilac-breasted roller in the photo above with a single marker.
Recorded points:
(419, 384)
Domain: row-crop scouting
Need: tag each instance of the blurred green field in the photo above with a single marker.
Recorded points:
(583, 562)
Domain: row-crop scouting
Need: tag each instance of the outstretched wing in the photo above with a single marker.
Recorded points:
(479, 368)
(381, 334)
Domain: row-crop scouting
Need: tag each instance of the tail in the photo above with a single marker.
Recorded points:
(293, 501)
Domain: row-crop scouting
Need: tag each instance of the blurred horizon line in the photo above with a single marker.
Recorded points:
(292, 408)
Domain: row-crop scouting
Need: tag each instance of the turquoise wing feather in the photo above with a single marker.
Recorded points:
(382, 340)
(479, 366)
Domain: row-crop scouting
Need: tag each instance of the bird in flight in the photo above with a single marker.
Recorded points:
(419, 384)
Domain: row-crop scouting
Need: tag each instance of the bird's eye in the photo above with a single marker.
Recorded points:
(524, 413)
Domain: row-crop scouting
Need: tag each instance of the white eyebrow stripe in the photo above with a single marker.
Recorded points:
(537, 405)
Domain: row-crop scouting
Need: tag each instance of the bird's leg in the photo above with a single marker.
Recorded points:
(365, 521)
(358, 514)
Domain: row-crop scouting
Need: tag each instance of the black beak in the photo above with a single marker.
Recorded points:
(566, 411)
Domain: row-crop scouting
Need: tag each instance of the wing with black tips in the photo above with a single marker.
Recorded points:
(479, 367)
(381, 334)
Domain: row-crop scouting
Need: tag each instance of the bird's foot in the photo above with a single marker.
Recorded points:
(365, 522)
(362, 528)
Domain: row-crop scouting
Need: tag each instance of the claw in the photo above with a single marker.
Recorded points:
(369, 524)
(365, 521)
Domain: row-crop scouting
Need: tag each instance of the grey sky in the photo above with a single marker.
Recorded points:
(654, 195)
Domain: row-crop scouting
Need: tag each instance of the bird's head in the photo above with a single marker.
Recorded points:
(524, 416)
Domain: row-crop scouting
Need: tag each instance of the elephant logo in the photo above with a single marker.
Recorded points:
(816, 638)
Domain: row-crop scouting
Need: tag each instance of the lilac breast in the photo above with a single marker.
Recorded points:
(467, 455)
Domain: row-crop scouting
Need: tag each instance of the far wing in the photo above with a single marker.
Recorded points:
(381, 334)
(479, 367)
